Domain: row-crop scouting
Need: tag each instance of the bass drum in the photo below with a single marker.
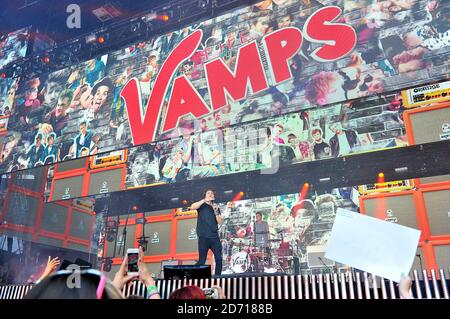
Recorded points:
(240, 262)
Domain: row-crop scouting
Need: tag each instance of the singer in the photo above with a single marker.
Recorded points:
(208, 221)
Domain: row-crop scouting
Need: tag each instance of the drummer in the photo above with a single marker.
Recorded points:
(261, 232)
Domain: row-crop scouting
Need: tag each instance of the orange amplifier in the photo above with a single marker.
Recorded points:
(386, 187)
(108, 159)
(427, 94)
(426, 125)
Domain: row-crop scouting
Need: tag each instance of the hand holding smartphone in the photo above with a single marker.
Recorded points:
(133, 258)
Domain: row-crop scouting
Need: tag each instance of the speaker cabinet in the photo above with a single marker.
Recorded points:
(31, 179)
(54, 218)
(437, 207)
(105, 181)
(187, 240)
(428, 124)
(442, 254)
(67, 188)
(159, 238)
(22, 209)
(71, 165)
(399, 208)
(433, 179)
(80, 226)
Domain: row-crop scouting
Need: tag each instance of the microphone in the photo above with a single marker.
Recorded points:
(214, 206)
(323, 263)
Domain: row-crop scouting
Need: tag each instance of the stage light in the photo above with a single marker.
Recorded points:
(228, 192)
(164, 17)
(3, 75)
(380, 178)
(46, 59)
(135, 208)
(304, 190)
(101, 39)
(175, 199)
(184, 202)
(325, 180)
(238, 196)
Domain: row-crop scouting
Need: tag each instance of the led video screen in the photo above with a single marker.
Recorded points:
(195, 79)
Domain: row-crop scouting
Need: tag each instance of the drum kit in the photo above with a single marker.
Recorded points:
(247, 256)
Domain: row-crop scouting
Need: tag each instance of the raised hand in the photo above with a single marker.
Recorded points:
(404, 287)
(144, 274)
(121, 278)
(52, 265)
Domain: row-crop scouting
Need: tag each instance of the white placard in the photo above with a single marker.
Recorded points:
(369, 244)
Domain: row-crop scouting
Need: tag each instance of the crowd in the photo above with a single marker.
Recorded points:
(93, 284)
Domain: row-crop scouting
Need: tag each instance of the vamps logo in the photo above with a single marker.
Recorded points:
(335, 41)
(390, 217)
(155, 238)
(104, 188)
(66, 193)
(192, 234)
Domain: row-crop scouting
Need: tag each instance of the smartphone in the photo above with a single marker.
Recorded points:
(133, 257)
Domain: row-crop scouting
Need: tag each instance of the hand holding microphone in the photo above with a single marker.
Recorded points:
(215, 207)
